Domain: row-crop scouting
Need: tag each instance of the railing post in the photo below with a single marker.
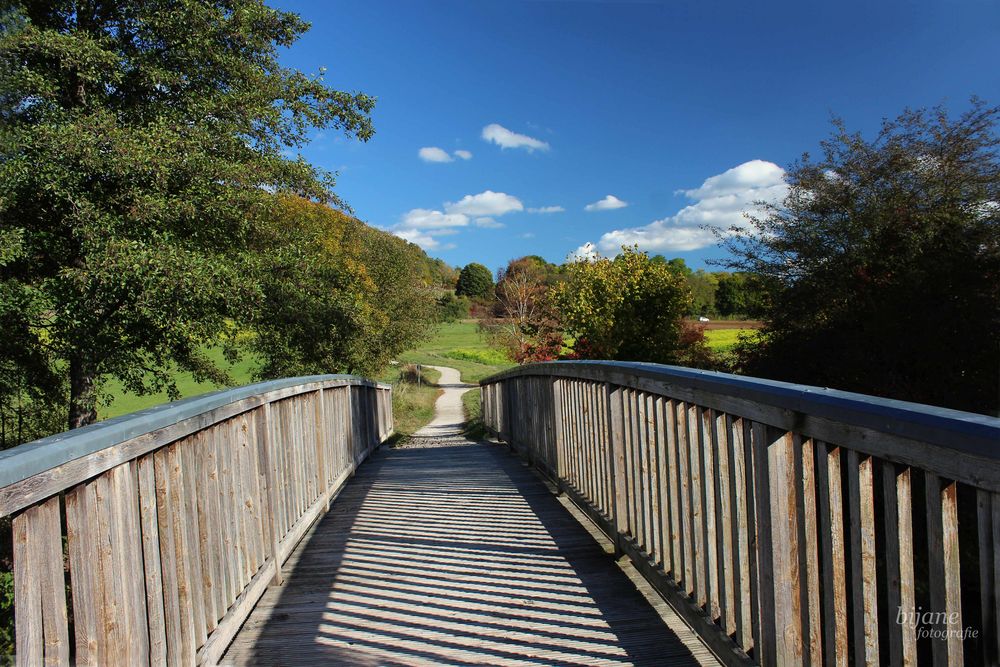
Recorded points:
(616, 436)
(322, 479)
(270, 480)
(557, 430)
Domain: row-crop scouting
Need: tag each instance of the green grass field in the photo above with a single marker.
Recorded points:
(459, 345)
(123, 403)
(722, 340)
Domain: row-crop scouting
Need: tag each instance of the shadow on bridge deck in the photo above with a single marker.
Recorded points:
(455, 555)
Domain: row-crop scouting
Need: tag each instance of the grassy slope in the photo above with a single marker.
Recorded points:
(412, 404)
(459, 345)
(123, 403)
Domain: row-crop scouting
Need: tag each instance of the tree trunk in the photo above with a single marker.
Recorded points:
(82, 393)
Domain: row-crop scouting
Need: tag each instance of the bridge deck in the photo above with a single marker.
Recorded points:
(457, 554)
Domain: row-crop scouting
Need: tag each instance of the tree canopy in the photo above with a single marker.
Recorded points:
(141, 145)
(626, 308)
(884, 263)
(474, 281)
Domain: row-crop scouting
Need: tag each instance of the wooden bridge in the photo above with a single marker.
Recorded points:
(757, 522)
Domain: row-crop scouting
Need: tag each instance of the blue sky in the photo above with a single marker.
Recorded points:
(682, 112)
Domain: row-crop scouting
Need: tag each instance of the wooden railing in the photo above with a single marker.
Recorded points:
(152, 536)
(788, 524)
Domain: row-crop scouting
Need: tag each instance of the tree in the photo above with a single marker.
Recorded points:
(475, 281)
(739, 294)
(884, 263)
(338, 296)
(626, 308)
(524, 322)
(140, 144)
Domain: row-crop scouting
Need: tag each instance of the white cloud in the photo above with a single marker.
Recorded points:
(422, 218)
(527, 235)
(433, 154)
(487, 222)
(547, 209)
(486, 203)
(422, 239)
(585, 253)
(720, 203)
(504, 138)
(465, 155)
(607, 204)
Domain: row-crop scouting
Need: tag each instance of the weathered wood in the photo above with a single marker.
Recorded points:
(907, 590)
(39, 591)
(784, 548)
(863, 572)
(765, 641)
(809, 554)
(81, 541)
(149, 526)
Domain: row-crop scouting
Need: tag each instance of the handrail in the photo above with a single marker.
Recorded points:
(788, 524)
(177, 517)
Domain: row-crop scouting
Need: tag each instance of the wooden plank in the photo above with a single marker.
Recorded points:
(907, 589)
(863, 558)
(784, 547)
(709, 484)
(81, 539)
(616, 423)
(724, 524)
(30, 641)
(181, 563)
(831, 508)
(662, 483)
(891, 549)
(684, 488)
(742, 529)
(42, 633)
(952, 573)
(673, 488)
(809, 553)
(150, 529)
(765, 639)
(699, 539)
(192, 555)
(269, 470)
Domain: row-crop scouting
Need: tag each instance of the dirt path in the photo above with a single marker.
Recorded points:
(449, 416)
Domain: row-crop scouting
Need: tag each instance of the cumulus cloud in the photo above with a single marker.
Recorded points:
(423, 226)
(422, 218)
(422, 239)
(585, 253)
(465, 155)
(433, 154)
(609, 203)
(486, 203)
(547, 209)
(720, 203)
(504, 138)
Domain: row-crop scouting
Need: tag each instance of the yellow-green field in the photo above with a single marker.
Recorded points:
(459, 345)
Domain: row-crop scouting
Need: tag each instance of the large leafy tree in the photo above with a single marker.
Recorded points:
(474, 281)
(885, 263)
(628, 308)
(524, 321)
(337, 295)
(141, 143)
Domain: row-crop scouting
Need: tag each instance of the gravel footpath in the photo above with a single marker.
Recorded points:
(445, 430)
